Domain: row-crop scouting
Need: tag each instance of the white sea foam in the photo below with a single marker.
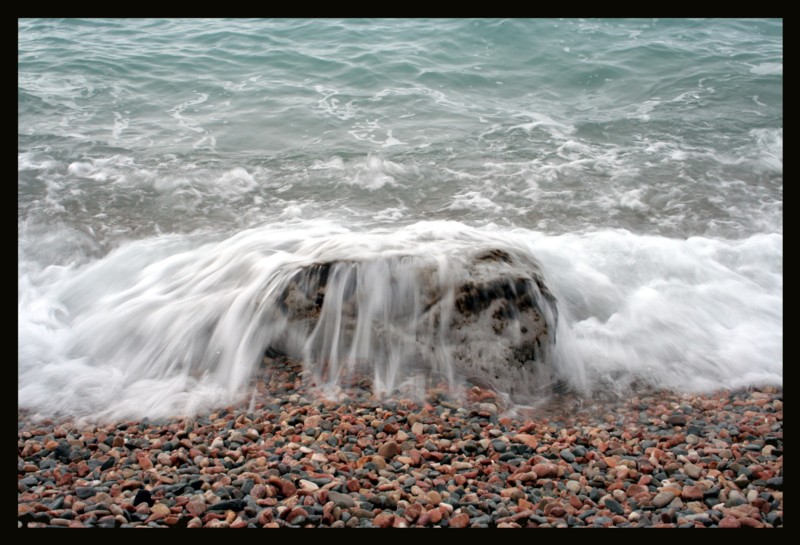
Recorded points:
(768, 69)
(652, 165)
(172, 325)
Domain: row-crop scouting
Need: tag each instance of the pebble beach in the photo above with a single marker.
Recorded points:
(290, 458)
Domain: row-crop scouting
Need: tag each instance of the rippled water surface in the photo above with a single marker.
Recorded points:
(170, 171)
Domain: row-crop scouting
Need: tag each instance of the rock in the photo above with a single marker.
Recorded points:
(84, 492)
(729, 522)
(344, 501)
(362, 513)
(144, 461)
(417, 428)
(692, 470)
(545, 470)
(692, 493)
(143, 496)
(107, 521)
(196, 507)
(499, 446)
(297, 515)
(226, 505)
(412, 512)
(512, 493)
(160, 510)
(526, 439)
(383, 520)
(496, 302)
(614, 507)
(775, 483)
(567, 456)
(379, 461)
(308, 485)
(735, 498)
(677, 419)
(459, 521)
(287, 488)
(663, 498)
(388, 450)
(635, 489)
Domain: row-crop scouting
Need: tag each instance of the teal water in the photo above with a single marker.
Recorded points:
(641, 161)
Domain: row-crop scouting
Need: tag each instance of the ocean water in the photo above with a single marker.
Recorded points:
(172, 174)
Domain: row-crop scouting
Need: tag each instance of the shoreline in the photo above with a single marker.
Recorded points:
(658, 458)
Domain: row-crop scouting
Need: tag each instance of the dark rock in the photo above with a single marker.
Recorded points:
(143, 496)
(677, 419)
(29, 481)
(62, 452)
(225, 505)
(84, 492)
(108, 464)
(567, 456)
(579, 451)
(247, 486)
(601, 521)
(775, 483)
(614, 507)
(775, 518)
(107, 521)
(47, 463)
(495, 302)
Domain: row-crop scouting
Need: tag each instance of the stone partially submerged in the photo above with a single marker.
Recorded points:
(489, 318)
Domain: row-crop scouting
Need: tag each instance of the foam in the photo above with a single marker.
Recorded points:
(173, 324)
(767, 69)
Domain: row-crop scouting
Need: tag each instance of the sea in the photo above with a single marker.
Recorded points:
(174, 173)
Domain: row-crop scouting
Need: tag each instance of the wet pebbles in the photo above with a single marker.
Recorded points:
(660, 460)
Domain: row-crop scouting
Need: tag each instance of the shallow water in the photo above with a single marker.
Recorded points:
(172, 173)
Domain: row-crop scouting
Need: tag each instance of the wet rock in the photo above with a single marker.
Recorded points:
(495, 303)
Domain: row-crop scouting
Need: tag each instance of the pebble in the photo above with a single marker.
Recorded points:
(297, 460)
(544, 470)
(388, 450)
(663, 498)
(614, 507)
(692, 493)
(567, 455)
(344, 501)
(729, 522)
(692, 470)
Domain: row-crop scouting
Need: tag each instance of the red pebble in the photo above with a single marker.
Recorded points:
(383, 520)
(729, 522)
